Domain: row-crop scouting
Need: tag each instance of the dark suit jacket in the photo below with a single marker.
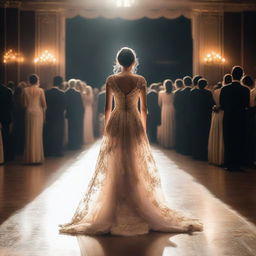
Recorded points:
(154, 111)
(234, 98)
(6, 105)
(56, 104)
(74, 104)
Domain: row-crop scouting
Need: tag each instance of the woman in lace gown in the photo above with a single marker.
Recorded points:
(125, 196)
(166, 131)
(88, 114)
(35, 106)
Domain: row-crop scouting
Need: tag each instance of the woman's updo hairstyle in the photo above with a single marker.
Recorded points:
(168, 85)
(125, 58)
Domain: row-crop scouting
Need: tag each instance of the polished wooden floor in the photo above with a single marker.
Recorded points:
(35, 199)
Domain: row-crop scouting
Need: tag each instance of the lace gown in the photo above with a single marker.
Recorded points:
(125, 196)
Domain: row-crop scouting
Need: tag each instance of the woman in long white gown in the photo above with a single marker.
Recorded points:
(166, 131)
(35, 106)
(125, 196)
(88, 114)
(216, 142)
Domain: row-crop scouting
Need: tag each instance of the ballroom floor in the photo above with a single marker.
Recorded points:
(35, 199)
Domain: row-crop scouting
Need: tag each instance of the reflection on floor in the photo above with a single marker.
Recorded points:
(35, 199)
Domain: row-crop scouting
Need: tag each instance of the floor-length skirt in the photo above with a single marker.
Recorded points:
(34, 152)
(166, 131)
(88, 125)
(1, 148)
(125, 196)
(216, 143)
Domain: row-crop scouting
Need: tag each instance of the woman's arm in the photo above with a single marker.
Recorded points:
(143, 104)
(108, 105)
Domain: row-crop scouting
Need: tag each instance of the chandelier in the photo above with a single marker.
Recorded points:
(124, 3)
(45, 58)
(12, 56)
(214, 58)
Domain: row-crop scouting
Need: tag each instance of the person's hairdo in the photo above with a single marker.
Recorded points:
(179, 83)
(237, 72)
(168, 85)
(125, 57)
(154, 86)
(57, 81)
(202, 83)
(196, 79)
(227, 79)
(187, 80)
(247, 80)
(72, 83)
(33, 79)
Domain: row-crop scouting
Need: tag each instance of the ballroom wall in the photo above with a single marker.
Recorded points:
(31, 30)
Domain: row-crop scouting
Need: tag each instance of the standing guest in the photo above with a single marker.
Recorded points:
(154, 112)
(18, 129)
(166, 131)
(6, 107)
(35, 106)
(216, 143)
(186, 108)
(88, 114)
(64, 87)
(234, 100)
(178, 114)
(74, 114)
(202, 107)
(249, 144)
(101, 108)
(193, 95)
(54, 122)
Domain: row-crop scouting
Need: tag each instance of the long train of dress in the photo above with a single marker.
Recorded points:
(125, 196)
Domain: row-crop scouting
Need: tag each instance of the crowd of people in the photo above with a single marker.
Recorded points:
(36, 123)
(214, 123)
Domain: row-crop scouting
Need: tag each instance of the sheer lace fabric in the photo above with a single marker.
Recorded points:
(125, 196)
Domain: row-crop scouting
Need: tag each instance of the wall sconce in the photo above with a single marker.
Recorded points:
(214, 58)
(12, 56)
(124, 3)
(45, 58)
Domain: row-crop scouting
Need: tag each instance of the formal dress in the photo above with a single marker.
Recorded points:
(54, 122)
(216, 143)
(234, 100)
(88, 118)
(35, 105)
(177, 103)
(186, 121)
(124, 197)
(6, 107)
(154, 115)
(202, 109)
(75, 116)
(166, 131)
(18, 128)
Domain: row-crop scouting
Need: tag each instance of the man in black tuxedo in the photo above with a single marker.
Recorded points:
(6, 106)
(178, 114)
(54, 123)
(75, 115)
(185, 108)
(154, 112)
(234, 100)
(202, 109)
